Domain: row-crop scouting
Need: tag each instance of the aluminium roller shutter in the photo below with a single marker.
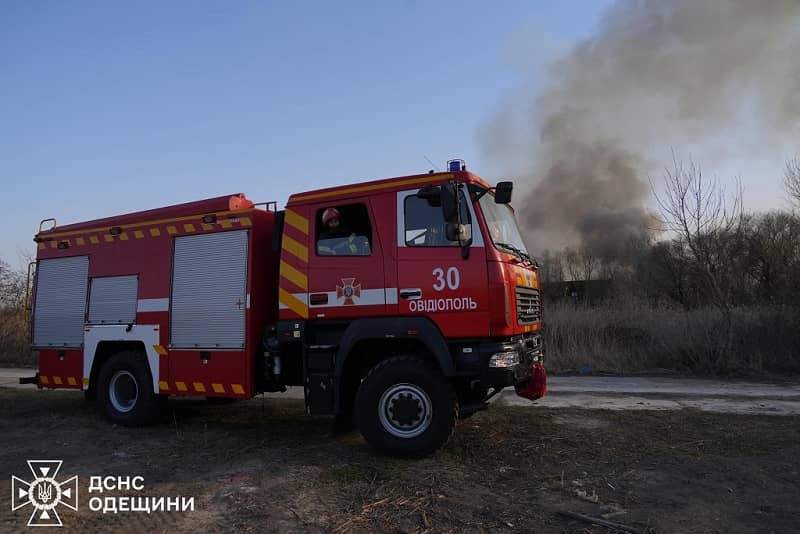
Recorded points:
(209, 285)
(60, 306)
(112, 299)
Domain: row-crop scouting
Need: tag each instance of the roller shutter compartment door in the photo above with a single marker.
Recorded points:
(209, 284)
(112, 299)
(60, 306)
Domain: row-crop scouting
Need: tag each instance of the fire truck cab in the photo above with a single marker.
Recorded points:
(398, 305)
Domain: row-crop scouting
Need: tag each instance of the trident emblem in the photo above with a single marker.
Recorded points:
(45, 492)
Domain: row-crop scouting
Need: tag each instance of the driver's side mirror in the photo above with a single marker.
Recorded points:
(502, 192)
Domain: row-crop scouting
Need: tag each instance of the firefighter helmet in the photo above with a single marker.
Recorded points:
(328, 214)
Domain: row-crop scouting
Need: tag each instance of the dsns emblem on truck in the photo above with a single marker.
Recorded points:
(349, 290)
(44, 493)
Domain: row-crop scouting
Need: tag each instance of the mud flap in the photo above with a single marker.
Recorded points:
(536, 386)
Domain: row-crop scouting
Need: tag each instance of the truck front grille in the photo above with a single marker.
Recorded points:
(529, 309)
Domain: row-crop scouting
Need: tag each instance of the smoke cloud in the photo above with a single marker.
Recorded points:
(656, 74)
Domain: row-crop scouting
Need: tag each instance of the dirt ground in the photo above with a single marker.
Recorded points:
(262, 465)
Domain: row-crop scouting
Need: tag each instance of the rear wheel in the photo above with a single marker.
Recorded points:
(405, 407)
(125, 390)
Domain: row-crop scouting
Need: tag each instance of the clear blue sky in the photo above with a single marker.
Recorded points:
(109, 107)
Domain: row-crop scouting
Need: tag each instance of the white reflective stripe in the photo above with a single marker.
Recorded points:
(391, 295)
(248, 301)
(152, 305)
(369, 297)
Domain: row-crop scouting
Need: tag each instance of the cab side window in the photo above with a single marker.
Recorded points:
(344, 231)
(425, 226)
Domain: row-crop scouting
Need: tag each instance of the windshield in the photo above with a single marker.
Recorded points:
(502, 226)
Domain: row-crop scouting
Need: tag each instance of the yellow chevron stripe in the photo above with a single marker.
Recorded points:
(218, 388)
(163, 385)
(57, 380)
(181, 386)
(245, 221)
(295, 248)
(199, 387)
(293, 219)
(293, 275)
(44, 379)
(160, 350)
(238, 389)
(293, 303)
(188, 227)
(71, 381)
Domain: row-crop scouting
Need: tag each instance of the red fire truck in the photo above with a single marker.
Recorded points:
(399, 305)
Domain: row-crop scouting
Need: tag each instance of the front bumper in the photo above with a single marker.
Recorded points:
(530, 365)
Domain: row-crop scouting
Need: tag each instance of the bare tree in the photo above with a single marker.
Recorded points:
(572, 262)
(791, 180)
(12, 287)
(709, 221)
(589, 262)
(550, 267)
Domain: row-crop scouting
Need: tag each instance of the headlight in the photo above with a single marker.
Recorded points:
(504, 359)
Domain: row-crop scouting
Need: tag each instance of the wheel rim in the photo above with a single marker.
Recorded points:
(405, 410)
(123, 391)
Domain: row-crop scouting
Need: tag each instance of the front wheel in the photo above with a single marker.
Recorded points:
(125, 390)
(405, 407)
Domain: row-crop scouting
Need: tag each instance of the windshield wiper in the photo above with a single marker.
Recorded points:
(524, 256)
(519, 252)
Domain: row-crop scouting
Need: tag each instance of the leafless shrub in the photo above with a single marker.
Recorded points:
(14, 347)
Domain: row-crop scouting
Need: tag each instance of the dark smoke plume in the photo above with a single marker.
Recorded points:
(658, 73)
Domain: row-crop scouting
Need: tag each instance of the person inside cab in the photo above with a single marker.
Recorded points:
(336, 239)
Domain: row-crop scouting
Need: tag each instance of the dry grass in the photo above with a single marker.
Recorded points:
(14, 344)
(628, 336)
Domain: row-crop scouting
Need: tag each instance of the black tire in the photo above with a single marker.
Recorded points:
(428, 407)
(125, 390)
(90, 394)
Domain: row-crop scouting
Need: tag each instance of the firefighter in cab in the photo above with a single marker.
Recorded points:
(336, 239)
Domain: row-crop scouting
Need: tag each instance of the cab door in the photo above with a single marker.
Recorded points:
(434, 279)
(345, 274)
